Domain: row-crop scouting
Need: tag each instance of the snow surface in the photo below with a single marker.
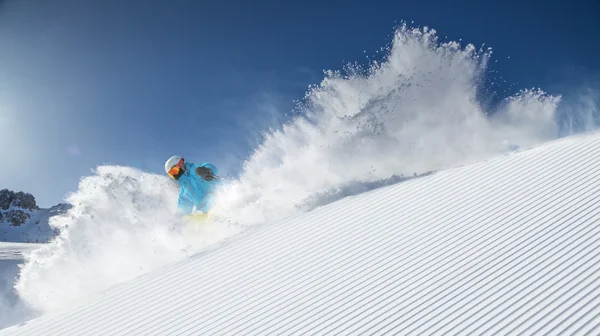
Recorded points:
(505, 246)
(12, 308)
(16, 251)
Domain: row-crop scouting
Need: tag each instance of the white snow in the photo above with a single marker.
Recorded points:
(505, 246)
(12, 309)
(16, 251)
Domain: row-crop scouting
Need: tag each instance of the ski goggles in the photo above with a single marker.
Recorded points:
(174, 171)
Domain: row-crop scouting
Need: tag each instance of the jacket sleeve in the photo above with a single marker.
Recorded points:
(184, 206)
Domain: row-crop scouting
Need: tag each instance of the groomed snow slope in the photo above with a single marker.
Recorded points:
(507, 246)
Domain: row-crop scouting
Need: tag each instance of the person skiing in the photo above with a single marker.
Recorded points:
(197, 183)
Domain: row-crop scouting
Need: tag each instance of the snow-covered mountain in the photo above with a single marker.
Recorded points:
(21, 220)
(505, 246)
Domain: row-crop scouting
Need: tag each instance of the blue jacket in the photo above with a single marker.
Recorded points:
(195, 191)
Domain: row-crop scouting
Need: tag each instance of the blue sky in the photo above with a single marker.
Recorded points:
(84, 83)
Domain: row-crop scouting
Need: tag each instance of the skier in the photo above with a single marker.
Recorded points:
(197, 184)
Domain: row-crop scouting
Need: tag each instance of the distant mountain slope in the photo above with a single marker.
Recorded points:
(21, 220)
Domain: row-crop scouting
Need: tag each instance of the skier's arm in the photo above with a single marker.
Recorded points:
(207, 171)
(211, 167)
(184, 206)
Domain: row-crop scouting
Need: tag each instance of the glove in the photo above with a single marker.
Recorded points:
(205, 173)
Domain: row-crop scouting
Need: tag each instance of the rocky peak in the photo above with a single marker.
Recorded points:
(22, 220)
(17, 199)
(6, 197)
(15, 207)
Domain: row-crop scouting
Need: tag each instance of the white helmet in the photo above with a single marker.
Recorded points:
(172, 161)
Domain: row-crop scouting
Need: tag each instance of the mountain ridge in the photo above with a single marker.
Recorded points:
(23, 221)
